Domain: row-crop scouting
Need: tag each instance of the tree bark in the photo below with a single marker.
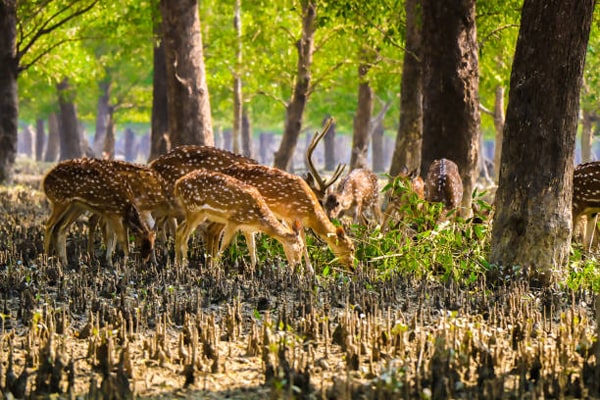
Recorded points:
(450, 89)
(9, 108)
(159, 135)
(40, 138)
(532, 224)
(102, 111)
(53, 146)
(587, 136)
(237, 80)
(187, 91)
(25, 142)
(70, 141)
(329, 143)
(377, 145)
(362, 119)
(108, 151)
(409, 140)
(499, 127)
(246, 134)
(295, 109)
(130, 145)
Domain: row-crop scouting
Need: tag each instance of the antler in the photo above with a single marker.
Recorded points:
(314, 179)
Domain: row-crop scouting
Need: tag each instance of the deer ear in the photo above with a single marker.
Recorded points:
(339, 231)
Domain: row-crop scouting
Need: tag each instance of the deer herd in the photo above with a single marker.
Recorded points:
(222, 193)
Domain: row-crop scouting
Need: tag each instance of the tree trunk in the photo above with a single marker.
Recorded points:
(53, 146)
(237, 80)
(362, 119)
(246, 134)
(70, 141)
(499, 127)
(329, 143)
(108, 152)
(587, 136)
(159, 136)
(130, 145)
(25, 142)
(450, 89)
(40, 138)
(102, 110)
(187, 92)
(295, 109)
(9, 104)
(532, 224)
(377, 144)
(407, 151)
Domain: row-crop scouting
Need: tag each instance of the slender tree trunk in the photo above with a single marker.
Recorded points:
(108, 152)
(362, 119)
(450, 90)
(129, 145)
(102, 111)
(70, 141)
(295, 109)
(26, 141)
(377, 143)
(237, 80)
(329, 143)
(587, 136)
(53, 146)
(159, 135)
(499, 127)
(187, 91)
(40, 138)
(532, 223)
(407, 151)
(9, 104)
(246, 134)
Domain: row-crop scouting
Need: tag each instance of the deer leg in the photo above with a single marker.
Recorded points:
(182, 236)
(251, 243)
(590, 229)
(50, 238)
(228, 234)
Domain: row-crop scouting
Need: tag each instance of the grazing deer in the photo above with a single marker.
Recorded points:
(586, 198)
(404, 186)
(76, 186)
(238, 206)
(313, 178)
(358, 192)
(444, 184)
(152, 198)
(290, 198)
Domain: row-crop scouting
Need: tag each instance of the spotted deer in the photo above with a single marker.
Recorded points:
(586, 198)
(407, 188)
(290, 198)
(76, 186)
(317, 183)
(214, 196)
(443, 184)
(152, 198)
(357, 193)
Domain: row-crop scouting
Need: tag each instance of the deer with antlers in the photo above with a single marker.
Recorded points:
(76, 186)
(214, 196)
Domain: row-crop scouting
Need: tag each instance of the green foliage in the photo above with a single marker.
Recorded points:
(583, 272)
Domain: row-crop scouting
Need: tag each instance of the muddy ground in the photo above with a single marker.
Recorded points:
(228, 332)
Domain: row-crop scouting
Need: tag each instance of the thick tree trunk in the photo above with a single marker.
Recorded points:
(587, 136)
(499, 127)
(362, 119)
(246, 135)
(40, 138)
(450, 89)
(53, 146)
(295, 109)
(70, 140)
(9, 109)
(159, 136)
(532, 224)
(237, 80)
(329, 143)
(407, 151)
(102, 111)
(187, 92)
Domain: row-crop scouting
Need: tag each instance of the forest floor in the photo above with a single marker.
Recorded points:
(228, 332)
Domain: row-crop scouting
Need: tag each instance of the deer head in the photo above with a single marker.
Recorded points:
(357, 193)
